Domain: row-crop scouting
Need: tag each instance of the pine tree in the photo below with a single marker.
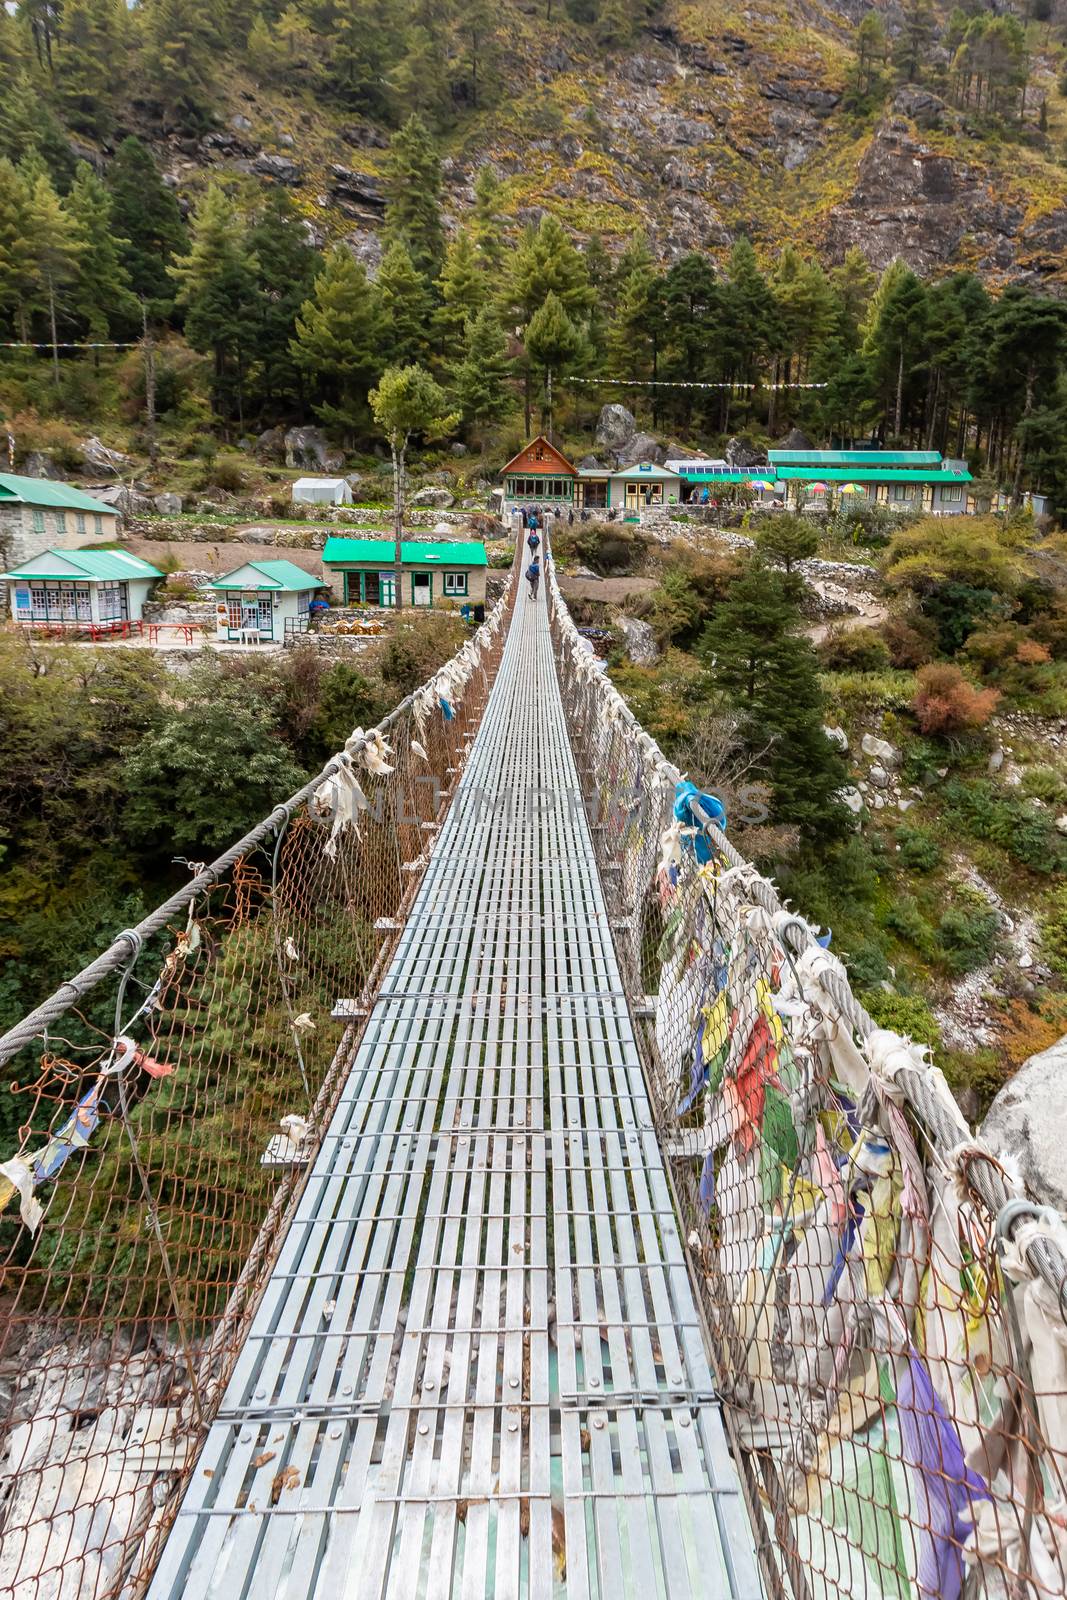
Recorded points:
(93, 40)
(894, 341)
(404, 303)
(633, 340)
(912, 44)
(413, 194)
(16, 257)
(148, 223)
(217, 287)
(767, 671)
(854, 282)
(266, 56)
(419, 83)
(463, 292)
(55, 248)
(553, 344)
(749, 312)
(286, 276)
(486, 222)
(181, 40)
(102, 296)
(337, 341)
(479, 381)
(545, 263)
(27, 122)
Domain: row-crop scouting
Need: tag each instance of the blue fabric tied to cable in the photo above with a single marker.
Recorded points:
(685, 794)
(446, 709)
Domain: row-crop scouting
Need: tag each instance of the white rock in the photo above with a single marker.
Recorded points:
(1028, 1121)
(879, 802)
(905, 805)
(837, 736)
(879, 777)
(1061, 823)
(1026, 960)
(880, 750)
(851, 798)
(996, 760)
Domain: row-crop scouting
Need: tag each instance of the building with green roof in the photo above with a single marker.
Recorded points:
(79, 589)
(449, 572)
(263, 602)
(36, 511)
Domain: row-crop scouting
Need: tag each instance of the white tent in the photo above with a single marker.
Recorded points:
(322, 491)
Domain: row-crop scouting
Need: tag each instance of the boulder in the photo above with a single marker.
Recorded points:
(440, 499)
(996, 760)
(271, 442)
(97, 455)
(1061, 823)
(880, 750)
(742, 452)
(615, 426)
(795, 439)
(640, 447)
(459, 449)
(591, 464)
(127, 502)
(641, 647)
(281, 168)
(39, 464)
(851, 798)
(168, 505)
(305, 447)
(837, 736)
(879, 777)
(924, 108)
(333, 462)
(1028, 1122)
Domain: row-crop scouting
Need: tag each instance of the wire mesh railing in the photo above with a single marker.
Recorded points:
(886, 1308)
(171, 1099)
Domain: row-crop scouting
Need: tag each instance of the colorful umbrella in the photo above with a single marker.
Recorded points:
(851, 488)
(760, 483)
(818, 488)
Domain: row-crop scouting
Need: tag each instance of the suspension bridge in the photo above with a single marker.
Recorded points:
(476, 1184)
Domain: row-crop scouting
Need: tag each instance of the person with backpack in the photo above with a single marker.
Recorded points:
(533, 576)
(533, 541)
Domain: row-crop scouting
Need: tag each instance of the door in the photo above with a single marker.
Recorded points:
(386, 589)
(421, 589)
(266, 616)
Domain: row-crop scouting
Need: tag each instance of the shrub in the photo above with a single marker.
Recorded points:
(919, 850)
(854, 650)
(904, 1013)
(908, 923)
(910, 644)
(227, 476)
(1042, 783)
(867, 967)
(979, 808)
(967, 935)
(1032, 654)
(1054, 932)
(946, 703)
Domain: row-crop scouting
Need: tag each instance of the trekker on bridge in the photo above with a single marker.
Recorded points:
(533, 576)
(533, 541)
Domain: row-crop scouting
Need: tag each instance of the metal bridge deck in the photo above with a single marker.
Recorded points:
(478, 1368)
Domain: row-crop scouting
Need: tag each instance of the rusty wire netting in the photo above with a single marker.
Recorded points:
(886, 1310)
(160, 1153)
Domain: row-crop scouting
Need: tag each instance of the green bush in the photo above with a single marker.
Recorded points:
(854, 650)
(1054, 932)
(904, 1013)
(867, 967)
(919, 850)
(980, 809)
(1043, 783)
(908, 923)
(967, 936)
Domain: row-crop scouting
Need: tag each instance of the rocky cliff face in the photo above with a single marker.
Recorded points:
(712, 124)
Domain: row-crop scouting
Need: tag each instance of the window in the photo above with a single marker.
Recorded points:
(455, 583)
(58, 602)
(233, 611)
(952, 493)
(539, 453)
(79, 521)
(98, 523)
(61, 522)
(538, 489)
(38, 521)
(902, 491)
(114, 602)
